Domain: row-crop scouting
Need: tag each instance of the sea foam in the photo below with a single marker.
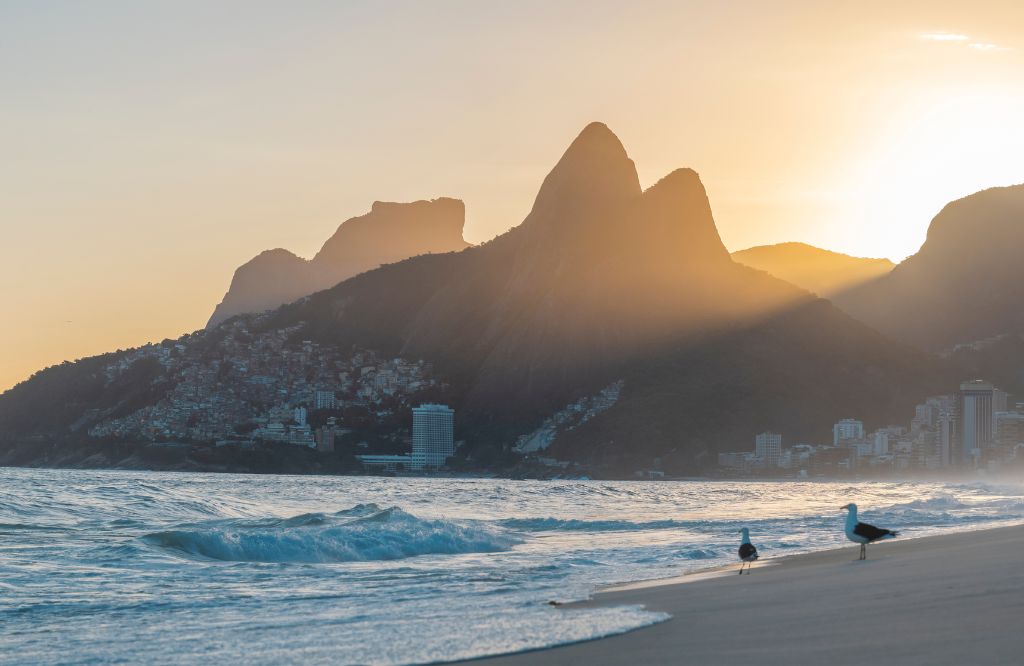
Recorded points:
(555, 524)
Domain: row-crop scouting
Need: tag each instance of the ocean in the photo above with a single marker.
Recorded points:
(104, 567)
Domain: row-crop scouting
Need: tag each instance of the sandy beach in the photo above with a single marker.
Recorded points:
(955, 599)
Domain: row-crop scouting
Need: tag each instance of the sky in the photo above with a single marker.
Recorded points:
(149, 148)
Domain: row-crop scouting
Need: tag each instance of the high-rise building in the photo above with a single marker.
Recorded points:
(299, 415)
(324, 400)
(975, 420)
(1009, 433)
(945, 436)
(925, 416)
(847, 429)
(432, 435)
(768, 447)
(1000, 402)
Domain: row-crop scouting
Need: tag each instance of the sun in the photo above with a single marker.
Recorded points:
(949, 144)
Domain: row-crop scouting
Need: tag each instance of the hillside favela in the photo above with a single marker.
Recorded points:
(522, 333)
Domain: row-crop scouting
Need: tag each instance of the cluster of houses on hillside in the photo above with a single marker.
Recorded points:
(259, 385)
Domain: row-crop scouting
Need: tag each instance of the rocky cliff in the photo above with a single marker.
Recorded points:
(389, 232)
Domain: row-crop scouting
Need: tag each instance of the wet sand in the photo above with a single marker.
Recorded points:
(954, 600)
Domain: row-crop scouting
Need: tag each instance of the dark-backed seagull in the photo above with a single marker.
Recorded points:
(863, 533)
(747, 552)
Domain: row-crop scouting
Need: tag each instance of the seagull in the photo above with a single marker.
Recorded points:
(863, 533)
(747, 552)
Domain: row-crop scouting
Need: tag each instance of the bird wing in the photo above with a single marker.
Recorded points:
(747, 550)
(870, 532)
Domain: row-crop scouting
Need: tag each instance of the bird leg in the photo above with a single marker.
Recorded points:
(863, 552)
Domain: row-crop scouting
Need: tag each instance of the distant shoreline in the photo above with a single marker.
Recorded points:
(483, 474)
(950, 599)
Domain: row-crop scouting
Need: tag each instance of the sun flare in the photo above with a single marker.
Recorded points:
(947, 145)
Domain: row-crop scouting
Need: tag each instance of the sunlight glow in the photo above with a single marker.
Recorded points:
(951, 147)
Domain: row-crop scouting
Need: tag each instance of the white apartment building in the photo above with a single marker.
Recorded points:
(432, 435)
(847, 429)
(768, 447)
(324, 400)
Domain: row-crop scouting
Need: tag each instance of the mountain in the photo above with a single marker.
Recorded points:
(605, 281)
(965, 284)
(389, 232)
(820, 271)
(597, 272)
(609, 302)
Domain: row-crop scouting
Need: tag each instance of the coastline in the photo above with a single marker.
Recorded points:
(132, 463)
(929, 600)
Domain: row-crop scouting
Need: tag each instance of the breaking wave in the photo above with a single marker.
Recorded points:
(943, 502)
(360, 534)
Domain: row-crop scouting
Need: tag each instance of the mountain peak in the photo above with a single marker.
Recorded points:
(598, 135)
(675, 218)
(683, 182)
(988, 221)
(594, 174)
(964, 284)
(598, 144)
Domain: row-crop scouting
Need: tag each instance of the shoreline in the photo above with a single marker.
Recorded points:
(930, 600)
(493, 475)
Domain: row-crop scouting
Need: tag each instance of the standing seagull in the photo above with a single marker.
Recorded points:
(747, 551)
(863, 533)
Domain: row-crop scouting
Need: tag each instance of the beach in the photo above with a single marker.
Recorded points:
(157, 567)
(954, 599)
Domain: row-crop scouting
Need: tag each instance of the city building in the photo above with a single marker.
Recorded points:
(980, 426)
(432, 435)
(974, 420)
(1009, 433)
(387, 463)
(860, 448)
(325, 400)
(847, 429)
(1000, 402)
(797, 457)
(768, 448)
(738, 461)
(925, 416)
(884, 438)
(945, 435)
(828, 460)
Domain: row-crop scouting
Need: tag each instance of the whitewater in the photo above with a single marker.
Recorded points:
(166, 568)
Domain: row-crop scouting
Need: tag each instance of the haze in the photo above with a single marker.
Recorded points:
(149, 149)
